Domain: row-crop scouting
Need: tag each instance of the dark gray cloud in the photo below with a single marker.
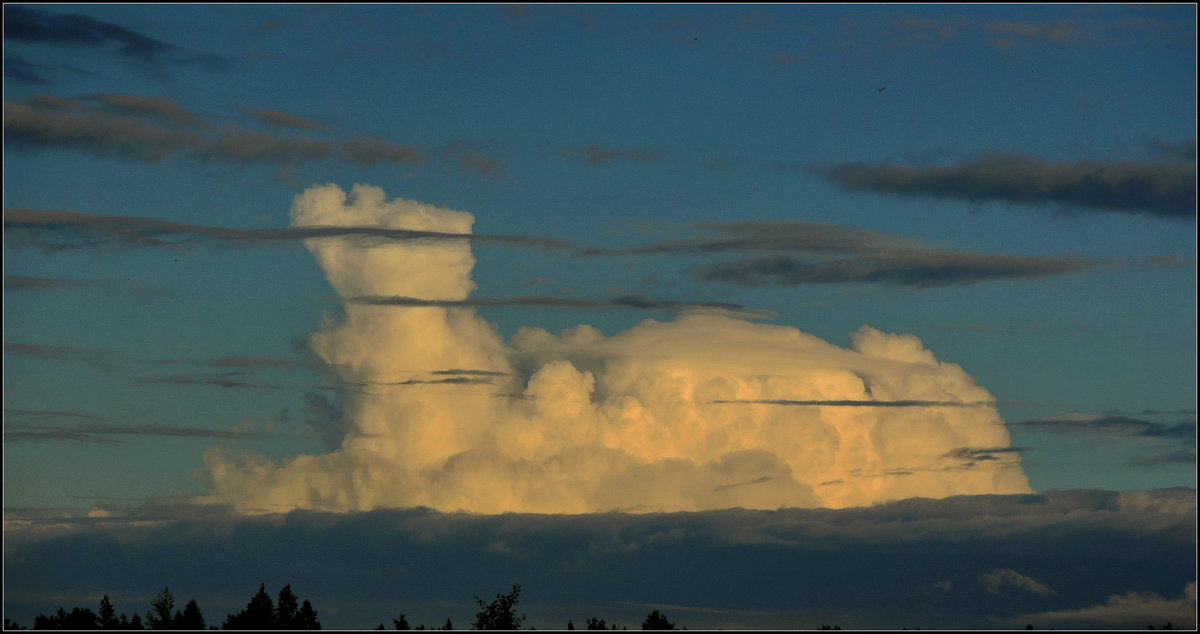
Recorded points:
(107, 360)
(859, 256)
(1115, 425)
(1184, 151)
(775, 236)
(915, 268)
(876, 565)
(53, 230)
(327, 418)
(545, 301)
(163, 108)
(152, 129)
(99, 432)
(23, 72)
(232, 379)
(27, 283)
(285, 120)
(1165, 189)
(29, 25)
(853, 403)
(1185, 456)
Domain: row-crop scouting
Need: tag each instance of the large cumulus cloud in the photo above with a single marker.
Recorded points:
(665, 416)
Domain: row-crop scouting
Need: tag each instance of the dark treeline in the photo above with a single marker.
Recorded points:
(261, 613)
(286, 612)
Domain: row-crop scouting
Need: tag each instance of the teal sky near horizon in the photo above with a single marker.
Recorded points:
(983, 135)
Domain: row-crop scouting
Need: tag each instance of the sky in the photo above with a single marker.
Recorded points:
(502, 294)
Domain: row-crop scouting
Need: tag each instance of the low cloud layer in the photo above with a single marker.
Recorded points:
(1163, 188)
(1131, 610)
(870, 567)
(592, 423)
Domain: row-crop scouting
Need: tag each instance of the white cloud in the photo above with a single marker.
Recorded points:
(644, 420)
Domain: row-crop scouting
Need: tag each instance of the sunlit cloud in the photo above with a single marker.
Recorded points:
(592, 423)
(998, 580)
(1132, 609)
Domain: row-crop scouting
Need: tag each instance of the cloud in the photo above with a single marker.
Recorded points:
(912, 268)
(1117, 425)
(153, 129)
(1165, 189)
(27, 283)
(285, 120)
(868, 403)
(545, 301)
(845, 255)
(1131, 609)
(996, 580)
(1060, 31)
(778, 236)
(873, 565)
(592, 423)
(93, 433)
(53, 230)
(107, 360)
(24, 24)
(24, 72)
(163, 108)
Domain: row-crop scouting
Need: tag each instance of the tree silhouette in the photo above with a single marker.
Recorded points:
(308, 617)
(259, 613)
(287, 609)
(656, 621)
(159, 617)
(447, 625)
(499, 614)
(191, 619)
(76, 619)
(107, 617)
(401, 623)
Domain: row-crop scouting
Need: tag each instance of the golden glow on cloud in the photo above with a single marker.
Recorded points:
(651, 419)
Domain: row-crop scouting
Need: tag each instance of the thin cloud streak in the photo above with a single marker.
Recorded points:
(99, 433)
(545, 301)
(852, 403)
(1163, 189)
(918, 269)
(1114, 425)
(54, 230)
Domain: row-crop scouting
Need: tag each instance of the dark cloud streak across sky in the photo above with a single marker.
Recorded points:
(1164, 188)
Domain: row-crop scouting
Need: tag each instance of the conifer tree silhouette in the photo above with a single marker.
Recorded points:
(191, 619)
(107, 617)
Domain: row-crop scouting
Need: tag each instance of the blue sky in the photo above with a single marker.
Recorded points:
(1014, 185)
